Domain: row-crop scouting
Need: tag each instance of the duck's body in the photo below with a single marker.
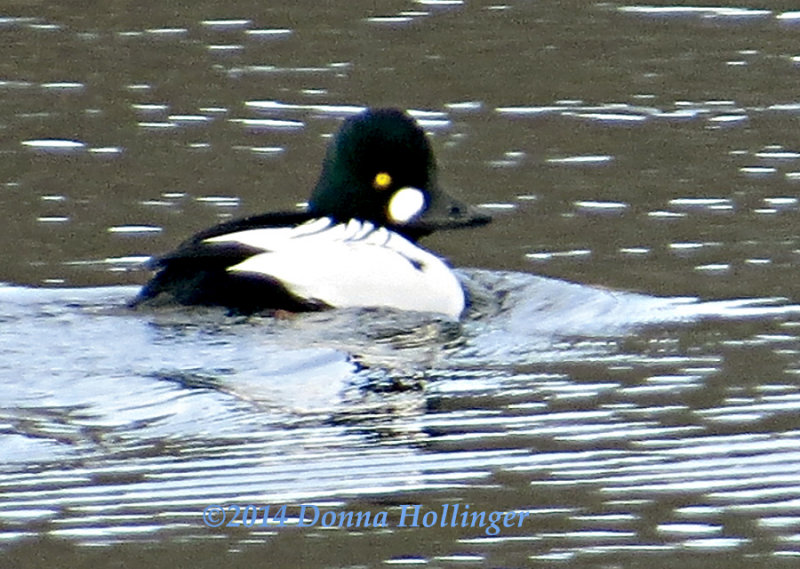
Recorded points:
(353, 246)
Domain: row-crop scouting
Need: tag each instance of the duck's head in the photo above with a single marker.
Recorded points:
(380, 168)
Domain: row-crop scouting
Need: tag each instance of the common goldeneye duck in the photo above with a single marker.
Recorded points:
(353, 246)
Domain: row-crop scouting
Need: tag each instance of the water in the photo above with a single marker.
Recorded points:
(627, 376)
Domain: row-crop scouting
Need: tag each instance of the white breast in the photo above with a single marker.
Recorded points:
(350, 265)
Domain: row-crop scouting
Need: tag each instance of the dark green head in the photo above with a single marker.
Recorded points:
(380, 168)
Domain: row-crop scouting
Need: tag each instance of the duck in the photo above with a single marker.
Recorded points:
(354, 245)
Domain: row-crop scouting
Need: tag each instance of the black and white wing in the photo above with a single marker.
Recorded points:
(314, 265)
(352, 264)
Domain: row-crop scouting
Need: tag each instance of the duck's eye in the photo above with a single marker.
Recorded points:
(406, 204)
(382, 181)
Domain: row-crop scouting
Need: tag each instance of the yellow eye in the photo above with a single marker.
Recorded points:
(382, 181)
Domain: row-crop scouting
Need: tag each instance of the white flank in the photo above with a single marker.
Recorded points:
(351, 265)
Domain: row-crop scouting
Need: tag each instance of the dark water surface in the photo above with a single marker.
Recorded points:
(646, 417)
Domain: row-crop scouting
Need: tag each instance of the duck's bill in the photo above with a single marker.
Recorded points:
(446, 212)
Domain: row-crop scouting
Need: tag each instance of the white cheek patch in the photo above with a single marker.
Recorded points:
(406, 204)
